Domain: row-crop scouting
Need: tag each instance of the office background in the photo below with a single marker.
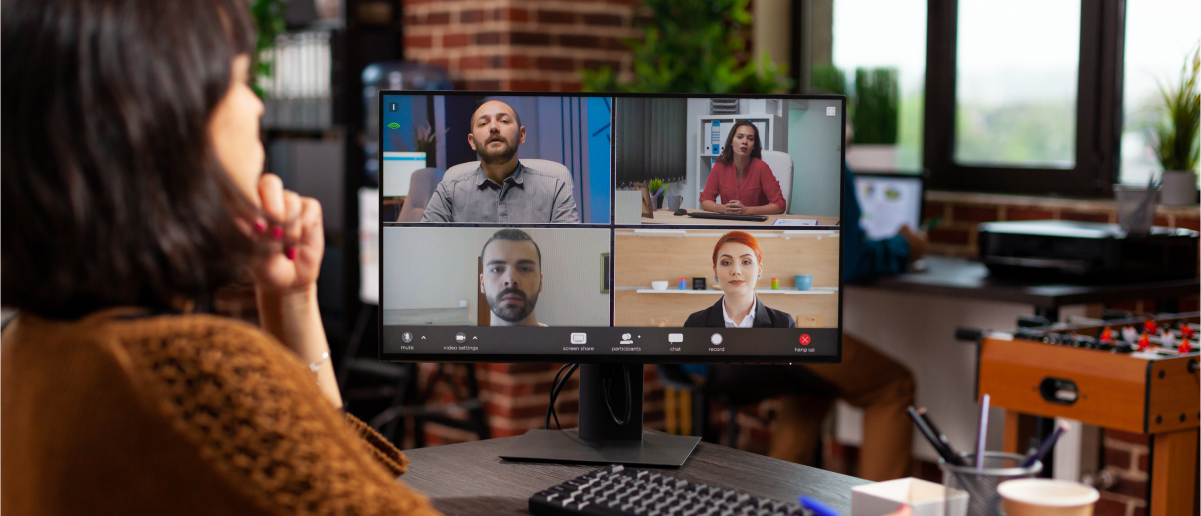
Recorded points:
(431, 271)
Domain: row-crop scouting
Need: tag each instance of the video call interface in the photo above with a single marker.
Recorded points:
(516, 227)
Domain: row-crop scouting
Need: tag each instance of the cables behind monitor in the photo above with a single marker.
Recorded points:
(557, 385)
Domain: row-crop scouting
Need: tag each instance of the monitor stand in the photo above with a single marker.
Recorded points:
(600, 440)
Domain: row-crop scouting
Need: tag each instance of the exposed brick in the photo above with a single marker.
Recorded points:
(1193, 224)
(471, 16)
(545, 16)
(511, 412)
(411, 19)
(440, 18)
(480, 85)
(456, 40)
(489, 38)
(474, 62)
(602, 20)
(1127, 436)
(597, 64)
(556, 63)
(933, 209)
(1131, 488)
(515, 15)
(529, 38)
(528, 85)
(1117, 458)
(1141, 510)
(1161, 221)
(569, 86)
(643, 20)
(439, 61)
(1022, 213)
(1084, 217)
(419, 41)
(513, 62)
(579, 41)
(1107, 507)
(1144, 460)
(961, 213)
(610, 43)
(948, 236)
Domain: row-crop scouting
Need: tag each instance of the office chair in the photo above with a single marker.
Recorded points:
(421, 188)
(542, 165)
(781, 166)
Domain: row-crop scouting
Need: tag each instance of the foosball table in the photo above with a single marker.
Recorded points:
(1135, 374)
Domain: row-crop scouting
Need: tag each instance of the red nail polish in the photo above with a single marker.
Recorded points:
(259, 226)
(278, 233)
(290, 253)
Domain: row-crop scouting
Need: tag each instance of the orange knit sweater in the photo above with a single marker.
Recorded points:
(184, 415)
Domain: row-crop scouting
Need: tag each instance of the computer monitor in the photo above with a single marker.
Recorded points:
(520, 256)
(888, 202)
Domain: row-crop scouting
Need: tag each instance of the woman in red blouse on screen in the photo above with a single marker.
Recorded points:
(744, 182)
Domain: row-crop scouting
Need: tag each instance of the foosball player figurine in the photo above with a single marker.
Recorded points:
(1129, 334)
(1106, 336)
(1167, 339)
(1150, 326)
(1184, 346)
(1186, 331)
(1144, 342)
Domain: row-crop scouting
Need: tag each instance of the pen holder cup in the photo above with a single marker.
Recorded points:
(980, 486)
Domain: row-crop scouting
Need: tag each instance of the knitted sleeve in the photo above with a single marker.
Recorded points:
(255, 414)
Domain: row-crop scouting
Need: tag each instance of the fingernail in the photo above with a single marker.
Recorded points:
(290, 253)
(259, 226)
(277, 232)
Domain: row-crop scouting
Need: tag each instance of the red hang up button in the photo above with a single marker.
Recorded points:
(805, 339)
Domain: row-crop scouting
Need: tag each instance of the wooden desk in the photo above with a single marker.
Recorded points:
(668, 217)
(470, 478)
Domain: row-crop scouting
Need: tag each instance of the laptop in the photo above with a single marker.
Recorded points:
(889, 201)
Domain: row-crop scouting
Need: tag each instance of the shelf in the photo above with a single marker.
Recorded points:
(792, 291)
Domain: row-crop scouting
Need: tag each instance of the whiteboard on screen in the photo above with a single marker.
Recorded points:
(398, 171)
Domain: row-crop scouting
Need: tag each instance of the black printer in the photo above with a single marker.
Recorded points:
(1087, 250)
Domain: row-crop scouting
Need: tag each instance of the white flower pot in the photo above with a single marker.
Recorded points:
(1179, 188)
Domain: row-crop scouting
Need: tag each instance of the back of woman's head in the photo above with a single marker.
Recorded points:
(112, 194)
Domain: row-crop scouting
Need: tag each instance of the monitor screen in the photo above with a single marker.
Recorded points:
(888, 202)
(616, 228)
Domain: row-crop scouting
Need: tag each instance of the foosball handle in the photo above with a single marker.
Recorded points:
(969, 334)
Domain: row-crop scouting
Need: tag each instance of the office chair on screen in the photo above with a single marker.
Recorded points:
(781, 167)
(542, 165)
(421, 188)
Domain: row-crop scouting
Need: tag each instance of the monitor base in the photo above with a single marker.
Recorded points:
(565, 446)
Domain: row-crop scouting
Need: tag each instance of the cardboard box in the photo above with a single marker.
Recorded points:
(926, 498)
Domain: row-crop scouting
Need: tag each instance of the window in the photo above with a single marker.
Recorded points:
(1159, 36)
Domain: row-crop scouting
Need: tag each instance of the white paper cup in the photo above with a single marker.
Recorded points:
(659, 285)
(1046, 497)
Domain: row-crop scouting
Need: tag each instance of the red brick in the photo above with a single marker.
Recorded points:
(556, 63)
(609, 43)
(439, 61)
(932, 209)
(441, 18)
(1144, 459)
(515, 15)
(480, 85)
(471, 16)
(489, 38)
(1084, 217)
(528, 85)
(1016, 213)
(513, 62)
(507, 432)
(948, 236)
(1107, 507)
(1127, 436)
(602, 20)
(506, 411)
(529, 38)
(1117, 458)
(419, 42)
(642, 20)
(1193, 224)
(961, 213)
(579, 41)
(544, 16)
(569, 86)
(411, 19)
(473, 63)
(1131, 488)
(456, 40)
(597, 64)
(1161, 221)
(1142, 511)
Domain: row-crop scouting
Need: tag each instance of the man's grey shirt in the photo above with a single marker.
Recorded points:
(525, 197)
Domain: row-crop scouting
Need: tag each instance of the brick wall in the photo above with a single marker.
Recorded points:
(1126, 457)
(512, 45)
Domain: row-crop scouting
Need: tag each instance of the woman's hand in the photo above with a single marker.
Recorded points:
(294, 239)
(734, 207)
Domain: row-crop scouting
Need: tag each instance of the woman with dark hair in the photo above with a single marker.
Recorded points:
(744, 182)
(132, 190)
(737, 267)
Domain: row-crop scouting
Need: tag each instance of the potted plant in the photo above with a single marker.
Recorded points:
(875, 118)
(1176, 138)
(655, 186)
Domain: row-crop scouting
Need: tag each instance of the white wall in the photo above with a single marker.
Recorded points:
(438, 268)
(815, 144)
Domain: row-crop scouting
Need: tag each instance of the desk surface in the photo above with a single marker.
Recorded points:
(470, 478)
(668, 217)
(957, 277)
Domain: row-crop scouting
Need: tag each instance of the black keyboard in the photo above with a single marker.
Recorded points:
(723, 216)
(619, 490)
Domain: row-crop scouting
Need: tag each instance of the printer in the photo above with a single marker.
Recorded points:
(1087, 250)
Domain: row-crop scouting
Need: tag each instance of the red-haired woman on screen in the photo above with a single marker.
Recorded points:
(741, 178)
(737, 267)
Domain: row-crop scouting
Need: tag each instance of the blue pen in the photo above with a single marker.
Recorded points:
(818, 508)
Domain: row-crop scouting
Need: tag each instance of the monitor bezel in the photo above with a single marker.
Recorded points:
(560, 358)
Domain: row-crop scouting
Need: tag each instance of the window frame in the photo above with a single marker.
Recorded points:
(1098, 111)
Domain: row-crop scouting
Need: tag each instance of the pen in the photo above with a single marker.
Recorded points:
(983, 435)
(1046, 446)
(946, 454)
(942, 438)
(818, 508)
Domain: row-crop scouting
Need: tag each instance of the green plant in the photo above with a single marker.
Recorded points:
(876, 106)
(269, 23)
(654, 185)
(1177, 144)
(693, 46)
(827, 78)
